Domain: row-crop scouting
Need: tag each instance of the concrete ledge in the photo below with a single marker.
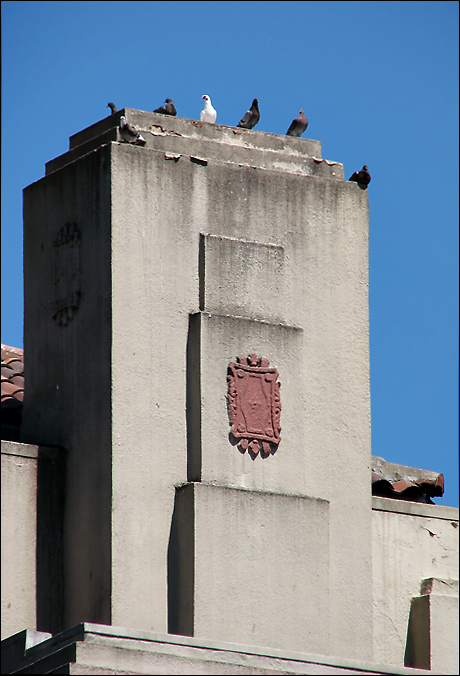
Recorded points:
(215, 142)
(180, 126)
(415, 508)
(81, 150)
(21, 450)
(188, 150)
(95, 647)
(222, 151)
(15, 647)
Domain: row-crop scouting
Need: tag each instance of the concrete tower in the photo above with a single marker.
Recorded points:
(196, 340)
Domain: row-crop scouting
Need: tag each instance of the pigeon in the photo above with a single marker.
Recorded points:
(362, 176)
(298, 125)
(130, 133)
(208, 114)
(251, 116)
(112, 107)
(168, 109)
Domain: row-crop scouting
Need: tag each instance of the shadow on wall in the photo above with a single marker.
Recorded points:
(181, 566)
(49, 561)
(417, 652)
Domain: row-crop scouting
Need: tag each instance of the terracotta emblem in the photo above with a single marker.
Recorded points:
(254, 404)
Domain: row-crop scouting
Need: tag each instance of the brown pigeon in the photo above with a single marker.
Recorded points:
(168, 109)
(251, 116)
(130, 133)
(112, 107)
(362, 176)
(298, 125)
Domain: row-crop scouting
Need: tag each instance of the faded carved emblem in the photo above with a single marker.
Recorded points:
(66, 274)
(254, 404)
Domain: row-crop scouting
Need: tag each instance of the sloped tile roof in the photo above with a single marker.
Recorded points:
(390, 480)
(12, 391)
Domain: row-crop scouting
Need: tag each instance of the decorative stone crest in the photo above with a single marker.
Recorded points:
(66, 274)
(254, 404)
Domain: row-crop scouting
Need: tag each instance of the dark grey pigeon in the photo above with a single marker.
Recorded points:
(362, 176)
(130, 133)
(251, 116)
(112, 107)
(168, 109)
(298, 125)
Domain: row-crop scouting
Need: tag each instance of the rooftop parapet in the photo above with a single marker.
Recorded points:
(212, 142)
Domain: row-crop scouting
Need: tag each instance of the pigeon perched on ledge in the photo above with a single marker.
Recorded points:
(208, 114)
(130, 133)
(298, 125)
(362, 176)
(251, 116)
(168, 109)
(112, 107)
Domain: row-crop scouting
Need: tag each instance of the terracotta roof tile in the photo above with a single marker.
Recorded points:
(399, 482)
(11, 365)
(12, 391)
(9, 389)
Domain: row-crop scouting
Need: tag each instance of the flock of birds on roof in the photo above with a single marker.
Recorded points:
(248, 121)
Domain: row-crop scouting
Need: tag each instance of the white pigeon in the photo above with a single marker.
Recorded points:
(208, 114)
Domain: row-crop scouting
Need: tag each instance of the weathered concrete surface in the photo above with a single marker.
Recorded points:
(32, 512)
(179, 136)
(411, 542)
(183, 127)
(242, 278)
(98, 649)
(444, 637)
(322, 225)
(19, 536)
(256, 565)
(120, 364)
(219, 339)
(68, 397)
(432, 633)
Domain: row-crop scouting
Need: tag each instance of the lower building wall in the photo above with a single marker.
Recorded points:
(415, 565)
(32, 509)
(19, 527)
(413, 543)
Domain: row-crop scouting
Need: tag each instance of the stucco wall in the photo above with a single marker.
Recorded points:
(111, 385)
(310, 236)
(411, 542)
(19, 536)
(67, 399)
(251, 566)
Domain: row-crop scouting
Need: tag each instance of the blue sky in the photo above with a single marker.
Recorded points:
(379, 84)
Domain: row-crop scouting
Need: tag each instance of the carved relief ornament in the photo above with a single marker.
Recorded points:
(254, 404)
(66, 274)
